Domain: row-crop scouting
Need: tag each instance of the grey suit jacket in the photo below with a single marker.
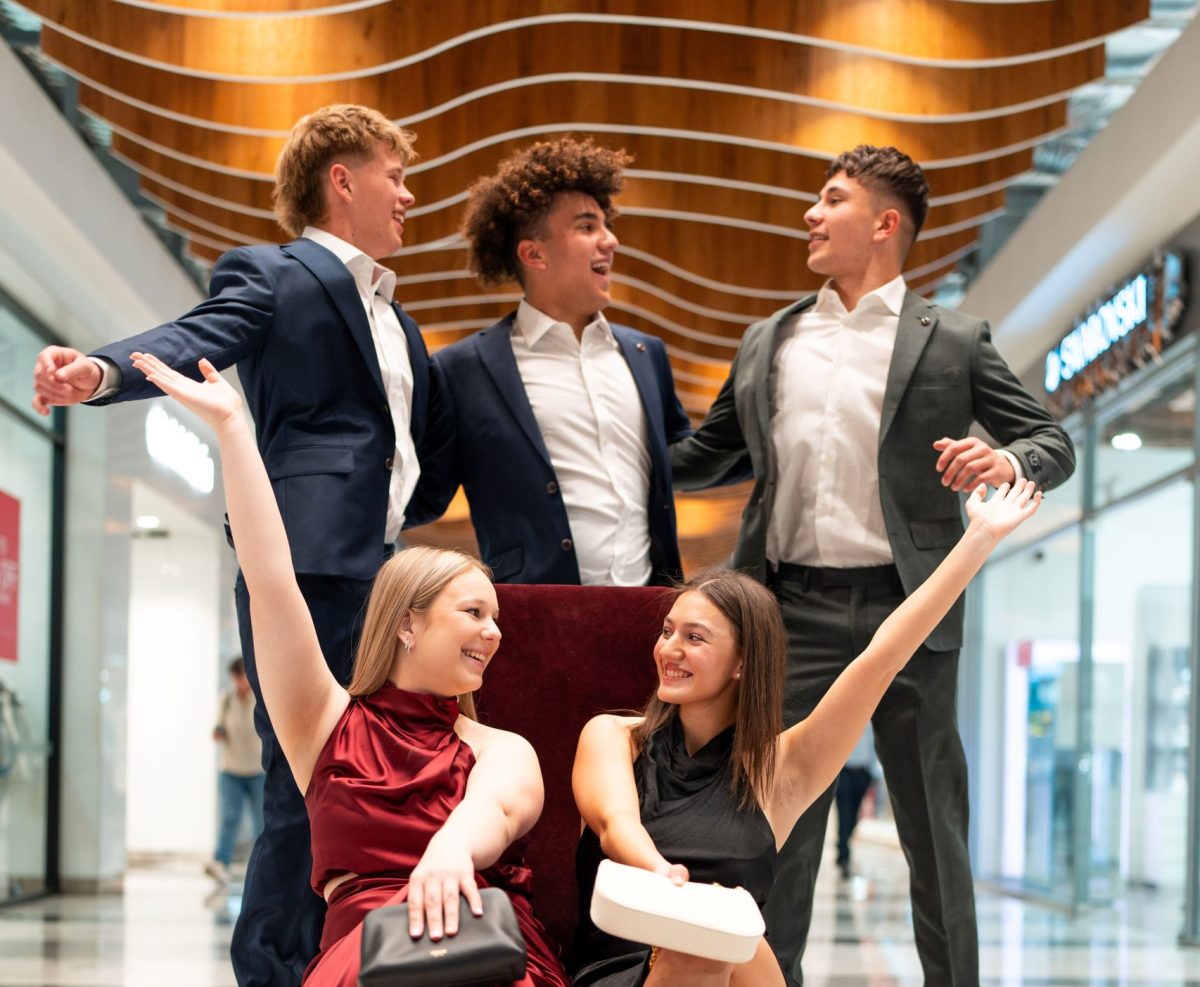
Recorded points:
(945, 373)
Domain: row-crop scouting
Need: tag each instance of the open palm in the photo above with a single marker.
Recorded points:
(212, 399)
(1007, 508)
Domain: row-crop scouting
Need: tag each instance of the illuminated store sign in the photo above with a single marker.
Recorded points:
(1135, 323)
(179, 449)
(1110, 323)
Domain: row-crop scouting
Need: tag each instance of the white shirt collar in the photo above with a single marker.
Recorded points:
(371, 277)
(533, 324)
(888, 296)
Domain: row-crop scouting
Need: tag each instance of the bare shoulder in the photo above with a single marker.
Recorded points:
(482, 738)
(607, 730)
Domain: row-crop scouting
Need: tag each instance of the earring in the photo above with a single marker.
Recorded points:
(737, 675)
(407, 643)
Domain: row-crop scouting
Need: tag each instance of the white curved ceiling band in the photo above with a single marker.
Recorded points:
(674, 24)
(257, 15)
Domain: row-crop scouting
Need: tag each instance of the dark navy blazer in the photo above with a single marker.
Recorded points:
(483, 435)
(291, 318)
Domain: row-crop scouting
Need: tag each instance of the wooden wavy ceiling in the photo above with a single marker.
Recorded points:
(732, 109)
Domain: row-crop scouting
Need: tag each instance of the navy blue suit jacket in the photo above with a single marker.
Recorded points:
(483, 435)
(291, 318)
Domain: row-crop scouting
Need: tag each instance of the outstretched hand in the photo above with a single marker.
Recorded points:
(1008, 507)
(212, 399)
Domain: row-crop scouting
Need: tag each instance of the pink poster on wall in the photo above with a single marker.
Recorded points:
(10, 573)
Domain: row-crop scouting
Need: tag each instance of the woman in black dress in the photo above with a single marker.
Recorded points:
(703, 785)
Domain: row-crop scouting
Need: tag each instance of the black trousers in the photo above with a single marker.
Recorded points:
(919, 749)
(279, 928)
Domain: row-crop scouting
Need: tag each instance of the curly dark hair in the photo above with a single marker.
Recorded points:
(511, 205)
(888, 170)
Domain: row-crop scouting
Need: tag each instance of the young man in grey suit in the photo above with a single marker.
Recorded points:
(854, 405)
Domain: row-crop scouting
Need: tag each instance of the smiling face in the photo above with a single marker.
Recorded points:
(696, 654)
(568, 266)
(374, 199)
(453, 641)
(846, 228)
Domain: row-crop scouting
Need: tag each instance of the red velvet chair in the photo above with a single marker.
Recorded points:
(568, 652)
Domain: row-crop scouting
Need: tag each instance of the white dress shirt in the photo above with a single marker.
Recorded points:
(376, 285)
(829, 374)
(589, 412)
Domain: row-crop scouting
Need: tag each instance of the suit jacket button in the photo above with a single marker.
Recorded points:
(567, 544)
(641, 347)
(552, 488)
(924, 320)
(387, 464)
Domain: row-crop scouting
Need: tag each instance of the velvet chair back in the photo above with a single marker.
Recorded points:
(568, 653)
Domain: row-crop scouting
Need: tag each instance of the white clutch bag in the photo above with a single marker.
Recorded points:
(699, 919)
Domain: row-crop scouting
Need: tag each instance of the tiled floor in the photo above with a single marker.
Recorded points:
(170, 928)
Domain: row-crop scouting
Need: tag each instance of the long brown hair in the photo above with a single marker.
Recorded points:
(407, 582)
(760, 640)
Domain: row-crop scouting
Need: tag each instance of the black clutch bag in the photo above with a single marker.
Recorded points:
(488, 948)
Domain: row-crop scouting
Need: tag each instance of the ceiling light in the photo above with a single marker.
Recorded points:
(1126, 441)
(147, 522)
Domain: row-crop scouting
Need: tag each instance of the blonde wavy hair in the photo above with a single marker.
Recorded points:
(409, 581)
(344, 130)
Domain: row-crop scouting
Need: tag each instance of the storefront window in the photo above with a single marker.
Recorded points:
(1141, 689)
(28, 450)
(1028, 707)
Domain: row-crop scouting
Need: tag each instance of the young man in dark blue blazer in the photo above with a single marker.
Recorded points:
(555, 422)
(336, 377)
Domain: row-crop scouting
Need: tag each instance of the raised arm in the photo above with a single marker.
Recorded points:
(813, 751)
(502, 801)
(606, 796)
(301, 695)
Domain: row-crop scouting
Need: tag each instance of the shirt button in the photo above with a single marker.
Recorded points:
(387, 463)
(551, 488)
(567, 544)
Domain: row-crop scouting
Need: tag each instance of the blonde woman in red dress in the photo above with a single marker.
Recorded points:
(409, 797)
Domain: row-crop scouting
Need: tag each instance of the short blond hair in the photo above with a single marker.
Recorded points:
(407, 582)
(344, 130)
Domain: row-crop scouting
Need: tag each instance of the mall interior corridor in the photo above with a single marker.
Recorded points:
(172, 927)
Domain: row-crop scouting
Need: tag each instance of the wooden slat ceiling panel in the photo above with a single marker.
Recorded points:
(732, 109)
(353, 39)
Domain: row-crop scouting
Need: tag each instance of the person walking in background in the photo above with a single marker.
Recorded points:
(853, 782)
(240, 775)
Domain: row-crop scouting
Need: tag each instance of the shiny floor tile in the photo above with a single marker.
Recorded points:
(172, 927)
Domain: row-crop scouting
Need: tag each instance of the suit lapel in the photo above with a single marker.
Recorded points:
(496, 355)
(343, 292)
(643, 377)
(760, 376)
(917, 319)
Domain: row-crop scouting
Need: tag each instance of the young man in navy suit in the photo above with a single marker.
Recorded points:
(555, 421)
(336, 377)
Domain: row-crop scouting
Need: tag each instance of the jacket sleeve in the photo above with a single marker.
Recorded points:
(678, 425)
(1016, 419)
(438, 453)
(225, 327)
(716, 453)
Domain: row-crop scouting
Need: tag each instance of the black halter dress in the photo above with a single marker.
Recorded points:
(691, 811)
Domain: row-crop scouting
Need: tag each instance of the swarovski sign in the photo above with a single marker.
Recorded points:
(1110, 323)
(1133, 325)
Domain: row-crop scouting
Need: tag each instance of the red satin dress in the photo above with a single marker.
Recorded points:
(385, 782)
